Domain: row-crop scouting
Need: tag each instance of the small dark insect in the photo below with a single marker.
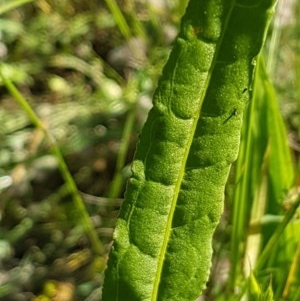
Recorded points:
(232, 114)
(245, 90)
(197, 30)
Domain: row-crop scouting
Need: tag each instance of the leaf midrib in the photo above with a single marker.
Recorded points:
(185, 157)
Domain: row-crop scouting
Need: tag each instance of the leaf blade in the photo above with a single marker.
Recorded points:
(162, 245)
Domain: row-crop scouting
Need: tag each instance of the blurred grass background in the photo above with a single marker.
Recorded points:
(88, 70)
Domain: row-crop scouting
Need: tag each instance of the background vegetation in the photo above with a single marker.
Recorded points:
(88, 70)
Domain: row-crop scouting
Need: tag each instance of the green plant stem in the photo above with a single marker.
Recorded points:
(258, 209)
(119, 18)
(126, 31)
(276, 236)
(116, 185)
(275, 39)
(12, 4)
(292, 274)
(77, 199)
(240, 197)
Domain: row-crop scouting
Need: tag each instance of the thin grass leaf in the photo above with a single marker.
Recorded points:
(117, 182)
(293, 279)
(264, 143)
(255, 291)
(12, 4)
(273, 241)
(77, 199)
(119, 19)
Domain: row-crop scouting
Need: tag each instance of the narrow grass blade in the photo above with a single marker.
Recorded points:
(12, 4)
(264, 144)
(119, 18)
(77, 199)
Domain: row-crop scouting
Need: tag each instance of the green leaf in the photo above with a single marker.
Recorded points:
(256, 293)
(174, 199)
(264, 174)
(12, 5)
